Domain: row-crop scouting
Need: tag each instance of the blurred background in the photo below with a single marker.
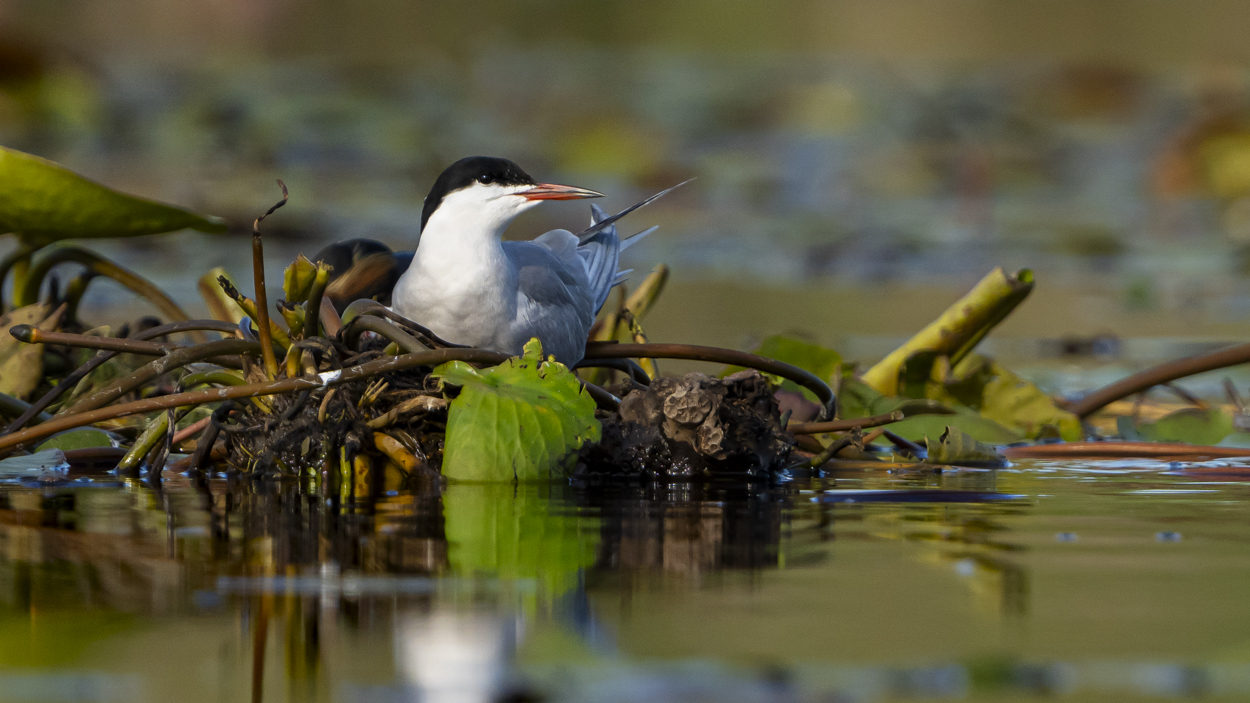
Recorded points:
(859, 164)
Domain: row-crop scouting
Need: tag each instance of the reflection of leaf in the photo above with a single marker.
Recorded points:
(21, 364)
(83, 438)
(46, 202)
(516, 533)
(960, 449)
(518, 421)
(1189, 425)
(819, 360)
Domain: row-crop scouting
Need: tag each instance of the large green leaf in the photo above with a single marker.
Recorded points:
(965, 419)
(1190, 425)
(521, 420)
(1018, 404)
(45, 202)
(515, 533)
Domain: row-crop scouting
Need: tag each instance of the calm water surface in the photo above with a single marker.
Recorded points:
(1110, 581)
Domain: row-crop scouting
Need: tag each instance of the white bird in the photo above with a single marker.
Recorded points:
(470, 287)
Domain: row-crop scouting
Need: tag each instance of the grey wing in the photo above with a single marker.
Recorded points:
(554, 300)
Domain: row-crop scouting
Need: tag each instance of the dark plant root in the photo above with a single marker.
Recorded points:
(691, 428)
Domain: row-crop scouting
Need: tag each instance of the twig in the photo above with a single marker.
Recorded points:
(33, 335)
(185, 433)
(1163, 373)
(844, 425)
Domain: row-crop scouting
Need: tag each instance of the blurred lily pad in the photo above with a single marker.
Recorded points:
(519, 421)
(959, 448)
(1189, 425)
(46, 202)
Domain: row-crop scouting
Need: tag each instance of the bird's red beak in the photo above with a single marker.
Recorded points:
(551, 191)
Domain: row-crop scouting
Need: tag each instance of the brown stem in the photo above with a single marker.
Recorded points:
(262, 298)
(1119, 450)
(161, 366)
(1163, 373)
(390, 364)
(33, 335)
(99, 359)
(608, 350)
(844, 425)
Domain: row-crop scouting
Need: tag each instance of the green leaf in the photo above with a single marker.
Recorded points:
(521, 420)
(516, 533)
(21, 364)
(83, 438)
(965, 420)
(821, 361)
(46, 202)
(960, 449)
(1189, 425)
(298, 279)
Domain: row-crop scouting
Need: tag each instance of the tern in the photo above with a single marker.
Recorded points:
(470, 287)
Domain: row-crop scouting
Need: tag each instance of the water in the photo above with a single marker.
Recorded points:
(1099, 581)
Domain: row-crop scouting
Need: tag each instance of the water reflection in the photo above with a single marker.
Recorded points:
(827, 587)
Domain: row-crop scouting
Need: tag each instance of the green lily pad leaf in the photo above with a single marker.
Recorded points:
(83, 438)
(46, 463)
(516, 532)
(519, 421)
(821, 361)
(298, 279)
(46, 202)
(960, 449)
(1189, 425)
(965, 420)
(21, 364)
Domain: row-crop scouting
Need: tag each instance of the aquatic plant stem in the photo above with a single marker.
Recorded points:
(960, 328)
(33, 335)
(262, 298)
(844, 425)
(1158, 375)
(99, 359)
(29, 292)
(693, 352)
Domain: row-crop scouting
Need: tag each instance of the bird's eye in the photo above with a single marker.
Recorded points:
(485, 180)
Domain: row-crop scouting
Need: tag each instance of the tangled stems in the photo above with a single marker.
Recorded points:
(251, 390)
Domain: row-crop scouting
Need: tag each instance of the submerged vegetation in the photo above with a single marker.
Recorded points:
(369, 401)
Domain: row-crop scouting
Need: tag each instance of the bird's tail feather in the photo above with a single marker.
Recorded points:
(600, 247)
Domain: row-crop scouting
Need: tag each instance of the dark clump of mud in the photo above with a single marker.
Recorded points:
(690, 427)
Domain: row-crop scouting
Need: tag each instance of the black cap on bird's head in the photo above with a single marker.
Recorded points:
(493, 171)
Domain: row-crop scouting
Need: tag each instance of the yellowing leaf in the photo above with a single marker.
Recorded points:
(521, 420)
(21, 364)
(46, 202)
